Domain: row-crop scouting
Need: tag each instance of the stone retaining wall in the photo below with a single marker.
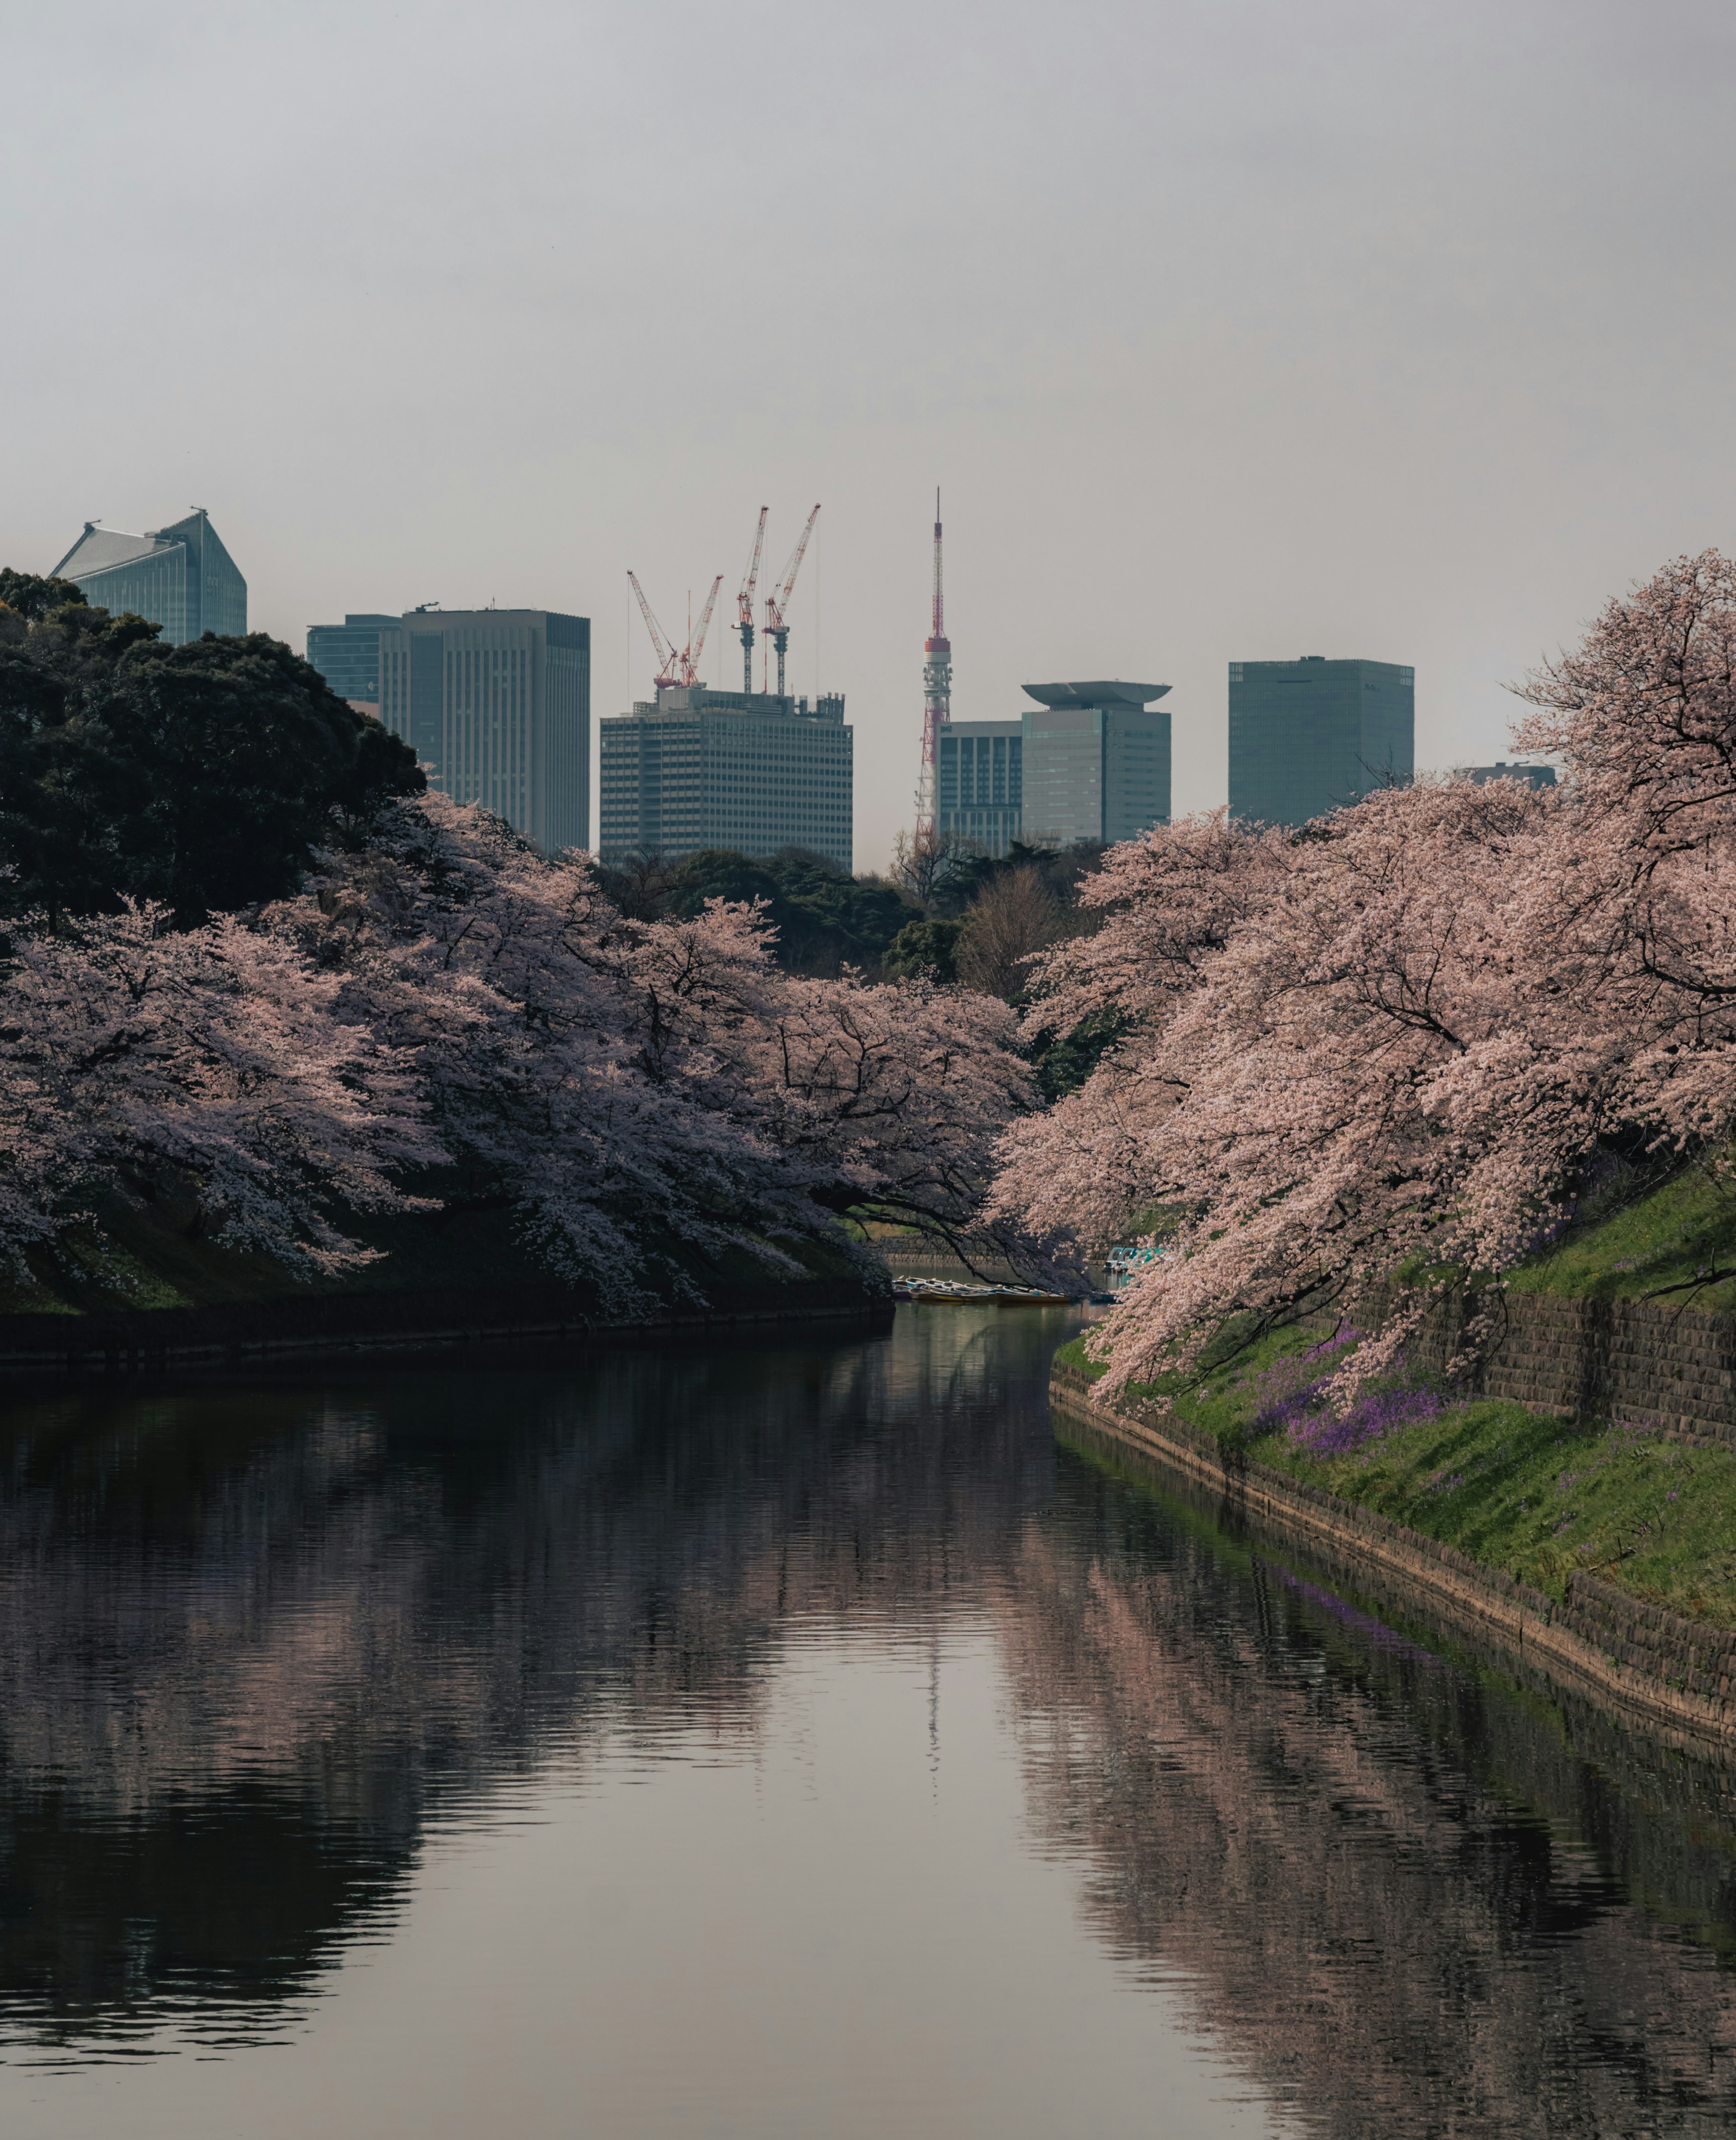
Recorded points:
(1676, 1676)
(925, 1258)
(1673, 1368)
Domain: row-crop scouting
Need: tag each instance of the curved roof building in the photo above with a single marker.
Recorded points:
(179, 576)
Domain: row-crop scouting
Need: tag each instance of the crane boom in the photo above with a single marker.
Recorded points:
(690, 653)
(744, 602)
(777, 605)
(668, 659)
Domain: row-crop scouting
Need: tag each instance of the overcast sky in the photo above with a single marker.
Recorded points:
(1232, 331)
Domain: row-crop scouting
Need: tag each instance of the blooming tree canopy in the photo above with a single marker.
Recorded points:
(1398, 1038)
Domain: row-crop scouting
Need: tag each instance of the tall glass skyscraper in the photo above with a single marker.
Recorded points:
(1097, 762)
(747, 770)
(179, 576)
(347, 655)
(496, 703)
(1307, 737)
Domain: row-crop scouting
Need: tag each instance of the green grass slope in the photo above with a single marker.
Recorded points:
(1676, 1241)
(1520, 1491)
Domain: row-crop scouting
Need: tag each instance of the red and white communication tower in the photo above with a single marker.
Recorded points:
(937, 699)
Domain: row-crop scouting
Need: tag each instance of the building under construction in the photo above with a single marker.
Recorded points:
(753, 771)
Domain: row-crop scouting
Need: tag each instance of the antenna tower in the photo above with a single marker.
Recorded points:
(937, 699)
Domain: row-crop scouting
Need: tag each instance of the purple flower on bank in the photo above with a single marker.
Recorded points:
(1295, 1400)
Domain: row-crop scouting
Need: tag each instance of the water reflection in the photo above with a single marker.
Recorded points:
(267, 1651)
(1415, 1891)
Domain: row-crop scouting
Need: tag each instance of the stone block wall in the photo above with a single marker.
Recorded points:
(1642, 1662)
(1669, 1368)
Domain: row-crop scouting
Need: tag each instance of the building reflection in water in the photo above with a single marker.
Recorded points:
(257, 1639)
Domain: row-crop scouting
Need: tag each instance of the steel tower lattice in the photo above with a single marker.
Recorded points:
(937, 699)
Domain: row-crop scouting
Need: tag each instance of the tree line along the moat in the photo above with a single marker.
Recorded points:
(256, 968)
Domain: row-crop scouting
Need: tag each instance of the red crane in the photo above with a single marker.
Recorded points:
(675, 669)
(744, 603)
(778, 604)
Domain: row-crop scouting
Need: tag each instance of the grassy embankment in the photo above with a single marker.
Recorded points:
(1518, 1490)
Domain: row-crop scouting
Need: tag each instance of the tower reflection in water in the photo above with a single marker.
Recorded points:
(261, 1642)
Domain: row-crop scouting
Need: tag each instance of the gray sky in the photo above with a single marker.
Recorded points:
(1232, 331)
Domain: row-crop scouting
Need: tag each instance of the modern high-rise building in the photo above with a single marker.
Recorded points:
(1534, 776)
(179, 576)
(1307, 737)
(1097, 762)
(497, 704)
(748, 770)
(979, 782)
(347, 655)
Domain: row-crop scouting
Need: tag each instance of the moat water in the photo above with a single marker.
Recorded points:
(784, 1741)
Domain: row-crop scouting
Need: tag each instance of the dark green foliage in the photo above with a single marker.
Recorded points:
(33, 597)
(202, 776)
(1064, 1062)
(926, 946)
(825, 920)
(1061, 870)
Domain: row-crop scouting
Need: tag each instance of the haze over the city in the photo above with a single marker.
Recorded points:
(1230, 331)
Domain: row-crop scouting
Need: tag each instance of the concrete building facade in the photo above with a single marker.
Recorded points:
(179, 576)
(496, 703)
(751, 771)
(979, 782)
(347, 655)
(1307, 737)
(1534, 776)
(1097, 762)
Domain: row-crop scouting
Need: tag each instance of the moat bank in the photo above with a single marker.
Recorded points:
(149, 1291)
(1674, 1674)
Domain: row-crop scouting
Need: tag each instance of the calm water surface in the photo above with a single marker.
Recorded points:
(789, 1741)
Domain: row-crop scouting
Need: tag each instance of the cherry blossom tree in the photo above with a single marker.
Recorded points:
(132, 1057)
(633, 1089)
(1396, 1039)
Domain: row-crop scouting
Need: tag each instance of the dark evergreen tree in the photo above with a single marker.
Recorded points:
(202, 776)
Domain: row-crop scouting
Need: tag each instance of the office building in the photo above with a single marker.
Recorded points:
(979, 782)
(347, 655)
(1534, 776)
(1097, 762)
(179, 576)
(496, 703)
(748, 770)
(1307, 737)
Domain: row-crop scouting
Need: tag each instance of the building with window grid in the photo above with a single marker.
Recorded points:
(496, 703)
(1097, 762)
(1307, 737)
(1533, 776)
(979, 782)
(347, 655)
(747, 770)
(180, 577)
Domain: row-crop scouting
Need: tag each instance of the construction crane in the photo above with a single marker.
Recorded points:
(777, 605)
(675, 669)
(744, 603)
